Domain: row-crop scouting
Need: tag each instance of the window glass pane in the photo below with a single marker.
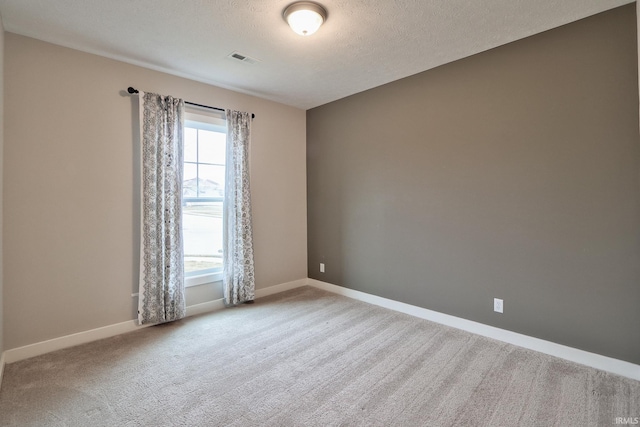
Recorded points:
(211, 181)
(204, 174)
(190, 180)
(212, 147)
(190, 145)
(202, 230)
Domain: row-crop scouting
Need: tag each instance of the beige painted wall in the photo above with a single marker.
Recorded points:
(70, 188)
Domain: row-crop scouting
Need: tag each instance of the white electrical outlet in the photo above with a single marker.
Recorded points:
(321, 267)
(498, 305)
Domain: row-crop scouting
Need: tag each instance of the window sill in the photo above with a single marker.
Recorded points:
(203, 279)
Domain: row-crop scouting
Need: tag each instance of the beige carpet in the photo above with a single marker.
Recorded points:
(308, 358)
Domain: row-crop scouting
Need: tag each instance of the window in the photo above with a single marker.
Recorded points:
(205, 138)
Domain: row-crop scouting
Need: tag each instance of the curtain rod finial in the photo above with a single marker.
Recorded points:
(132, 90)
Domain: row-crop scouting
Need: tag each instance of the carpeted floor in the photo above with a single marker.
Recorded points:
(308, 358)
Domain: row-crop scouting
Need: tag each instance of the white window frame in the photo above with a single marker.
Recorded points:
(212, 120)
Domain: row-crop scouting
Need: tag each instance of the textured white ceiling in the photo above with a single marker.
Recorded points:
(363, 44)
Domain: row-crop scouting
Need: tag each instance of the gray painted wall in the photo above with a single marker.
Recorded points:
(511, 174)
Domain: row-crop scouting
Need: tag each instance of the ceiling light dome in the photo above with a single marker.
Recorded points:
(305, 17)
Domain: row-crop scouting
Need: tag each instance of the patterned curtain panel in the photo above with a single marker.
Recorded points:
(238, 275)
(161, 294)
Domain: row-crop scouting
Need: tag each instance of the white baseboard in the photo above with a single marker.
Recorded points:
(32, 350)
(205, 307)
(609, 364)
(261, 293)
(37, 349)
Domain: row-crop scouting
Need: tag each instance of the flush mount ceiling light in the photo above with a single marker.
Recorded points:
(305, 17)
